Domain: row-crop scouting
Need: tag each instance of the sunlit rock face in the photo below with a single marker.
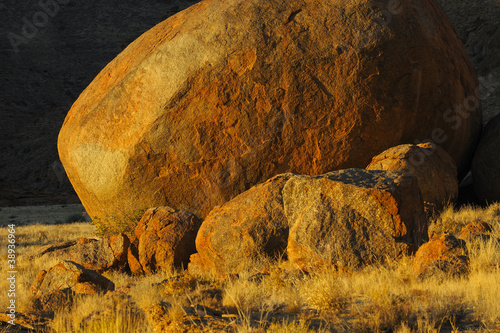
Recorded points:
(227, 94)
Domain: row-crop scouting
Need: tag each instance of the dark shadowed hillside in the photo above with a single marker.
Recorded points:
(49, 54)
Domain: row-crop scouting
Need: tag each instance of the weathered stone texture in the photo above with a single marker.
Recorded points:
(227, 94)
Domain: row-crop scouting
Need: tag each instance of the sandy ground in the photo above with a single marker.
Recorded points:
(48, 214)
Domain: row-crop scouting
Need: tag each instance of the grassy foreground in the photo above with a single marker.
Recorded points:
(386, 298)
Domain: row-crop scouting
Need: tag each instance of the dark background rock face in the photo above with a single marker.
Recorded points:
(48, 55)
(51, 50)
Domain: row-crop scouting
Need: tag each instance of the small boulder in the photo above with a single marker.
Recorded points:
(197, 266)
(352, 217)
(250, 227)
(133, 257)
(119, 244)
(434, 169)
(166, 238)
(486, 163)
(70, 275)
(475, 230)
(445, 254)
(55, 287)
(95, 254)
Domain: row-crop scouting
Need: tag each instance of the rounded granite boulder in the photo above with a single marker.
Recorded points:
(227, 94)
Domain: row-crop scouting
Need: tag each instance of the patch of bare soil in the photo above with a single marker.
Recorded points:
(45, 214)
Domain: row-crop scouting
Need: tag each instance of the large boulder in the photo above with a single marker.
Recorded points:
(227, 94)
(166, 239)
(353, 217)
(248, 228)
(486, 163)
(434, 169)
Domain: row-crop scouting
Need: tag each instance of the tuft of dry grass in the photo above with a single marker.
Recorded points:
(100, 314)
(379, 298)
(452, 220)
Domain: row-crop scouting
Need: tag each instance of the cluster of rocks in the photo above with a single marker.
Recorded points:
(446, 255)
(345, 218)
(249, 134)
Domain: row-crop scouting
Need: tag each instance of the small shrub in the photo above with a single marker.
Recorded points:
(115, 224)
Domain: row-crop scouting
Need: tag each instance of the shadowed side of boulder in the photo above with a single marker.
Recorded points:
(486, 163)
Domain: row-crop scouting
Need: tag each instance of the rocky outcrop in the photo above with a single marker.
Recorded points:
(95, 254)
(348, 217)
(166, 239)
(225, 95)
(352, 217)
(434, 169)
(444, 254)
(55, 287)
(245, 230)
(486, 163)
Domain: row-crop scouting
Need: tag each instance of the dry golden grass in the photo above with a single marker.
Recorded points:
(385, 298)
(29, 238)
(452, 220)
